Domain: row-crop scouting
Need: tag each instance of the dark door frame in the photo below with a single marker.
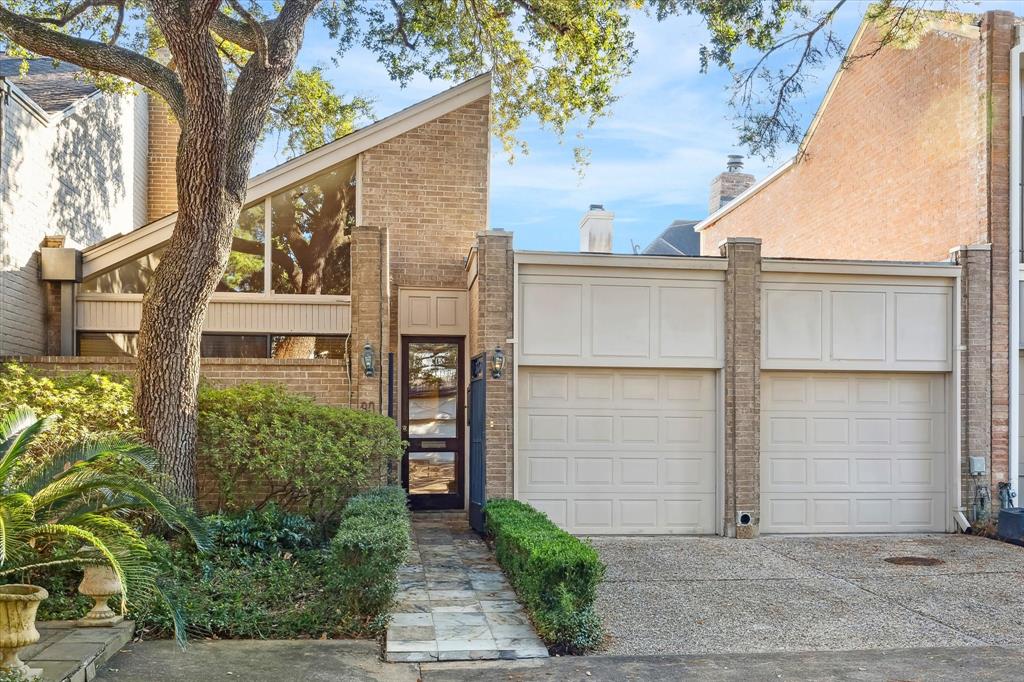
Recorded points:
(453, 500)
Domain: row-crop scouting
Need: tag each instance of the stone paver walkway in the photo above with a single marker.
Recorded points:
(453, 602)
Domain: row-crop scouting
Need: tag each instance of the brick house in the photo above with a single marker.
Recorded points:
(910, 156)
(734, 393)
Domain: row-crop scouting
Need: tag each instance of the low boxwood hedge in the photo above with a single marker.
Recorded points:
(555, 574)
(371, 544)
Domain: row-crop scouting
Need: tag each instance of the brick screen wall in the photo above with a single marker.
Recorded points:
(326, 381)
(895, 168)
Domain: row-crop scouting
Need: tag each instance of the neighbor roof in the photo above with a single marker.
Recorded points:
(52, 86)
(678, 239)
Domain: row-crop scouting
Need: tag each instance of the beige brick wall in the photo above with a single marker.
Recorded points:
(491, 298)
(975, 368)
(326, 381)
(742, 378)
(894, 169)
(997, 36)
(163, 156)
(428, 189)
(369, 314)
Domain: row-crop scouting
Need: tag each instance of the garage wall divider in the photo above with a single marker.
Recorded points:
(740, 395)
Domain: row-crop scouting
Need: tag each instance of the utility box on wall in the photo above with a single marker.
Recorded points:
(60, 264)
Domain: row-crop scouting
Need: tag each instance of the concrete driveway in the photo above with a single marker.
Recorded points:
(710, 595)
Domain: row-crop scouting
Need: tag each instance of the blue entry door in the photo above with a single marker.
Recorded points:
(477, 440)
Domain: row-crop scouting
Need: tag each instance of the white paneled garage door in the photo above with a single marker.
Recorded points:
(846, 452)
(619, 450)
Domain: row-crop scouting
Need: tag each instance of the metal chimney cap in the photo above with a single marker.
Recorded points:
(597, 207)
(735, 163)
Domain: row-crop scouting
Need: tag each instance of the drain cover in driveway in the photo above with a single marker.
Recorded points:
(914, 561)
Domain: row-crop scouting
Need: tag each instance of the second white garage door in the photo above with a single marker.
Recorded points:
(846, 452)
(619, 451)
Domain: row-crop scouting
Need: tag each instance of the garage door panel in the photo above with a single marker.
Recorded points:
(595, 514)
(853, 452)
(616, 451)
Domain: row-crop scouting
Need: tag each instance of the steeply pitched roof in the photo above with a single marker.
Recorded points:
(121, 247)
(54, 87)
(678, 239)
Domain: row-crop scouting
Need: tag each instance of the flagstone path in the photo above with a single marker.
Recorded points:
(454, 603)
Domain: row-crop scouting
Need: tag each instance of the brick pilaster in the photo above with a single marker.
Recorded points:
(492, 329)
(742, 377)
(997, 37)
(369, 315)
(975, 369)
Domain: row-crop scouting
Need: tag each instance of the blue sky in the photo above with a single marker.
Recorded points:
(652, 159)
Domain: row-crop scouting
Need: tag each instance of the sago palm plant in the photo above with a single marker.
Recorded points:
(94, 494)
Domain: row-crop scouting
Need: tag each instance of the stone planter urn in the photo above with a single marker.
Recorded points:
(18, 605)
(100, 583)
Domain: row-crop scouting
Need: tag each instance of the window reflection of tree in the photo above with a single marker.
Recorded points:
(432, 386)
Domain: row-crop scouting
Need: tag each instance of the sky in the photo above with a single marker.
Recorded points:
(651, 160)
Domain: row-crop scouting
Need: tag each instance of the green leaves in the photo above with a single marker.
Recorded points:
(95, 493)
(266, 444)
(309, 113)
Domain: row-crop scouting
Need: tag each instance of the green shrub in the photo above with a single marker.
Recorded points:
(371, 543)
(86, 404)
(269, 530)
(260, 437)
(555, 574)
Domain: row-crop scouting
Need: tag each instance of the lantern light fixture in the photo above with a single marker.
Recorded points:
(368, 368)
(497, 362)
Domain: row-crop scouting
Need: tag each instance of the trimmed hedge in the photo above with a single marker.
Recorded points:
(555, 574)
(370, 546)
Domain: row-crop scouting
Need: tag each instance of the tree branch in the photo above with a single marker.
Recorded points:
(259, 34)
(95, 56)
(238, 32)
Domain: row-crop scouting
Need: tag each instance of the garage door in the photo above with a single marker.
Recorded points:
(619, 451)
(853, 452)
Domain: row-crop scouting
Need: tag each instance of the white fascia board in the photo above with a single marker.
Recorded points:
(572, 259)
(122, 248)
(743, 196)
(861, 267)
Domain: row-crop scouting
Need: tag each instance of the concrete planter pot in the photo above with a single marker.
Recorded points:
(18, 605)
(100, 584)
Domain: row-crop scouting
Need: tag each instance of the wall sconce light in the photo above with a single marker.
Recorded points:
(497, 362)
(368, 369)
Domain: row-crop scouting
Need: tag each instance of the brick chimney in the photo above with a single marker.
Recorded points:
(730, 184)
(163, 155)
(596, 230)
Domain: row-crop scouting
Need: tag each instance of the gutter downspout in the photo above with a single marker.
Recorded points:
(5, 93)
(1015, 257)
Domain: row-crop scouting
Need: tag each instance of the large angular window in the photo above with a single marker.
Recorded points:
(248, 251)
(310, 228)
(132, 277)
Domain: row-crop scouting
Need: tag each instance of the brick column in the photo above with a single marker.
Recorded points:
(369, 315)
(975, 370)
(493, 328)
(997, 38)
(742, 389)
(161, 174)
(52, 291)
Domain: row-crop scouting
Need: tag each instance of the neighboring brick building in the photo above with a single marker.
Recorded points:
(73, 162)
(906, 159)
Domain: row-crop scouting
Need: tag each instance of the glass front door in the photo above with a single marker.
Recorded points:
(432, 423)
